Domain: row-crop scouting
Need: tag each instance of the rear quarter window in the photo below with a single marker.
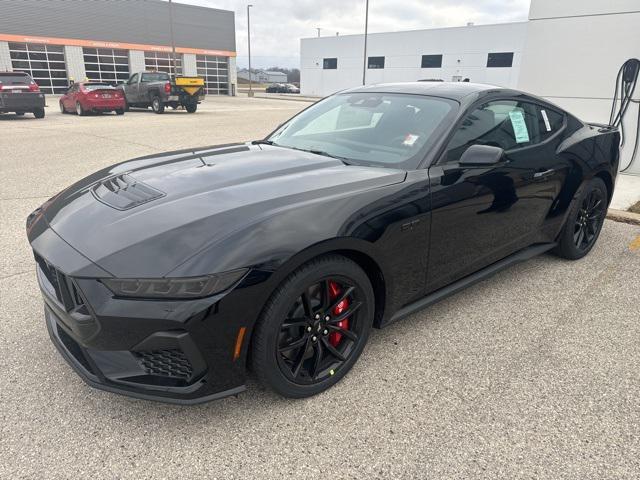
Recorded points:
(549, 122)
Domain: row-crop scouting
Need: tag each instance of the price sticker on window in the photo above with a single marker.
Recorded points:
(519, 126)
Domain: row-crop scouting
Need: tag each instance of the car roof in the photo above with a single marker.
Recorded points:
(452, 90)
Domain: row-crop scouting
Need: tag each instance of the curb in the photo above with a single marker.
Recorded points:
(623, 216)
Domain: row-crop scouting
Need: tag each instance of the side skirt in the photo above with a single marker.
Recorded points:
(455, 287)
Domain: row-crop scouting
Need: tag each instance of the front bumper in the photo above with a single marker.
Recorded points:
(109, 371)
(172, 351)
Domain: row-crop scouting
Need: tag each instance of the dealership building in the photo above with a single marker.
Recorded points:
(57, 41)
(481, 53)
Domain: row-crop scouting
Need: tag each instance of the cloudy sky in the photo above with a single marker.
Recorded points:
(278, 25)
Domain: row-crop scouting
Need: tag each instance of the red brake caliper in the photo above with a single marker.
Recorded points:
(334, 291)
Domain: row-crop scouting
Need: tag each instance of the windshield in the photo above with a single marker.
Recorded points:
(380, 129)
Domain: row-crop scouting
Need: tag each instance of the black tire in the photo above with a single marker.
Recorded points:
(320, 360)
(126, 106)
(191, 107)
(62, 109)
(79, 110)
(38, 113)
(584, 222)
(157, 105)
(120, 111)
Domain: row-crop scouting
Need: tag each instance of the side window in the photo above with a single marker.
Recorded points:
(507, 124)
(133, 79)
(549, 122)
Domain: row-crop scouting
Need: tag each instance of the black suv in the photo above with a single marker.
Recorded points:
(20, 94)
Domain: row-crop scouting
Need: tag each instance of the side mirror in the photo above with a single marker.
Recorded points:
(481, 155)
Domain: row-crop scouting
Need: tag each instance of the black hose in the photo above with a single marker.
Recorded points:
(626, 83)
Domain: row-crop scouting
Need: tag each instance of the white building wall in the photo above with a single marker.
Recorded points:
(233, 76)
(464, 51)
(189, 66)
(136, 61)
(573, 52)
(5, 58)
(75, 63)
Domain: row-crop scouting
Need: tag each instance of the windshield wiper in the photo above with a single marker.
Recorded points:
(326, 154)
(263, 142)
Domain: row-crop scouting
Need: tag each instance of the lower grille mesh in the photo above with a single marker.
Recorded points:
(166, 363)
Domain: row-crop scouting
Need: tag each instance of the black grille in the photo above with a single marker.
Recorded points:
(73, 348)
(65, 290)
(123, 192)
(166, 363)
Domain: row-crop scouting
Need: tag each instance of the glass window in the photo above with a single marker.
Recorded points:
(375, 62)
(214, 71)
(330, 63)
(160, 62)
(431, 61)
(549, 122)
(45, 62)
(368, 128)
(507, 124)
(102, 62)
(500, 60)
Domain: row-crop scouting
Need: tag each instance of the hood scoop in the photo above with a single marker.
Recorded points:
(123, 192)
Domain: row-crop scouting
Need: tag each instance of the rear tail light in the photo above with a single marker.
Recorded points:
(33, 87)
(167, 87)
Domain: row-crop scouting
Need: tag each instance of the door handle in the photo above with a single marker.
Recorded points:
(543, 174)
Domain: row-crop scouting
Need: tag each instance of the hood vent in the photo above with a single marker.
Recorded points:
(124, 192)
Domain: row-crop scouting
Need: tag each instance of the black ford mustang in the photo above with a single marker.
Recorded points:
(168, 276)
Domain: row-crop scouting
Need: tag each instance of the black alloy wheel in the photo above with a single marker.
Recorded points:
(589, 219)
(320, 331)
(314, 327)
(584, 221)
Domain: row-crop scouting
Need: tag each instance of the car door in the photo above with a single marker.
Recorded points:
(483, 213)
(131, 89)
(70, 99)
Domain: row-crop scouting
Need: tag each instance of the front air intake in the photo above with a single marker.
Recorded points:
(124, 192)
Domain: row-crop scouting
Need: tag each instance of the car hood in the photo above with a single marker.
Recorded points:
(145, 216)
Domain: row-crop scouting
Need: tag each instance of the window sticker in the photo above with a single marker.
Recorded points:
(410, 139)
(519, 126)
(546, 120)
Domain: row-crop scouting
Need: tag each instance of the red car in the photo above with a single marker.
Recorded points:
(84, 97)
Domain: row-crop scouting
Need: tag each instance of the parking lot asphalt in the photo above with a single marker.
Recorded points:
(533, 373)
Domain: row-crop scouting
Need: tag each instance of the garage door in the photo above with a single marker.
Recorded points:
(45, 63)
(162, 62)
(215, 71)
(106, 65)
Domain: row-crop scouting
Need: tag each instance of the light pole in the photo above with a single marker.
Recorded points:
(173, 43)
(366, 28)
(249, 46)
(318, 28)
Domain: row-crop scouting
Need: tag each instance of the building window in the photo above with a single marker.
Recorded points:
(162, 62)
(431, 61)
(215, 71)
(375, 62)
(500, 60)
(45, 63)
(330, 63)
(106, 65)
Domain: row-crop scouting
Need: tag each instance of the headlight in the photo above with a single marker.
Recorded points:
(173, 288)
